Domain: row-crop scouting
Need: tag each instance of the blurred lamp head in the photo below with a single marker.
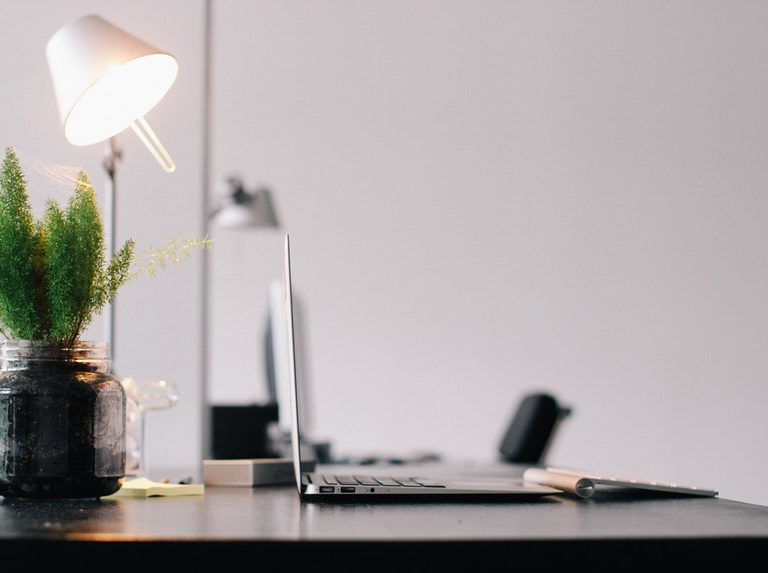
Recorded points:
(243, 209)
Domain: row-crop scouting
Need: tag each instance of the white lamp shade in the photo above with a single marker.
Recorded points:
(105, 78)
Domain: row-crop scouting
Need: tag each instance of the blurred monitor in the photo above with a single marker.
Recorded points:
(276, 357)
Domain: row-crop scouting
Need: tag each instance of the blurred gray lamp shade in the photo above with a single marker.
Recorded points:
(243, 209)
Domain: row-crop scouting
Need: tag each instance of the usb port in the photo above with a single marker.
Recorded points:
(326, 489)
(348, 489)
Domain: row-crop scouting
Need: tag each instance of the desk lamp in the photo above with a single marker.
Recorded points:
(105, 81)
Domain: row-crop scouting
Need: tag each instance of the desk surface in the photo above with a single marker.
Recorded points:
(275, 513)
(246, 518)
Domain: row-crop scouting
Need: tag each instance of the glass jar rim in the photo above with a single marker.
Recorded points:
(43, 350)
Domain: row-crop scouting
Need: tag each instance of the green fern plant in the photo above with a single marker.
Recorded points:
(53, 274)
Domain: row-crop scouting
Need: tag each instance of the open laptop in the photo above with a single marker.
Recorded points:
(345, 487)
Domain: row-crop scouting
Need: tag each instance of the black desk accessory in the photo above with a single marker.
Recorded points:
(241, 432)
(532, 428)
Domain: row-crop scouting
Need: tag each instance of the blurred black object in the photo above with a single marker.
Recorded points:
(532, 428)
(241, 432)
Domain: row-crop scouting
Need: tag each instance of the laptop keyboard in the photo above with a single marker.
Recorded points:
(385, 481)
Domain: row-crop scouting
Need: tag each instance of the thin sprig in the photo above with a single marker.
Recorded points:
(173, 254)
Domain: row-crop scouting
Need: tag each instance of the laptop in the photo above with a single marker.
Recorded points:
(345, 487)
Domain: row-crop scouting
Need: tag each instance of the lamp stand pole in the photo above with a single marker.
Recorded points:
(113, 155)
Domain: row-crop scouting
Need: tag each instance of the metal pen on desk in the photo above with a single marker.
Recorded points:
(570, 483)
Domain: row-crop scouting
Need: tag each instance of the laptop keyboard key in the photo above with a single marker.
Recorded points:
(366, 480)
(388, 482)
(346, 480)
(330, 480)
(428, 482)
(408, 482)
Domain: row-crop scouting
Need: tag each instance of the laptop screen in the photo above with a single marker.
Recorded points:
(295, 433)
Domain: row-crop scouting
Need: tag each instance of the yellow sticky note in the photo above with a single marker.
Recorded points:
(143, 487)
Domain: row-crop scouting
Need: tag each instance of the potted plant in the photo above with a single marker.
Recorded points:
(62, 411)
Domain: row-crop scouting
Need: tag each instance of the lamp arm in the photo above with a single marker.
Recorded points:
(150, 140)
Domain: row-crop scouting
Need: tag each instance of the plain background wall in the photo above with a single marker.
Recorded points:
(488, 198)
(158, 319)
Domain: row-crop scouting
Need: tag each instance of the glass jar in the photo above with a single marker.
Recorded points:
(143, 396)
(62, 421)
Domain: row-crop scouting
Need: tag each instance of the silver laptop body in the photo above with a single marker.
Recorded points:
(348, 486)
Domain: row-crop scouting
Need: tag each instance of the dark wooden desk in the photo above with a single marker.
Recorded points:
(272, 521)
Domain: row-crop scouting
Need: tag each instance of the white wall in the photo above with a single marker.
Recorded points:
(158, 319)
(488, 198)
(485, 199)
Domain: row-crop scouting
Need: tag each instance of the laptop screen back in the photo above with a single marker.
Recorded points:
(295, 433)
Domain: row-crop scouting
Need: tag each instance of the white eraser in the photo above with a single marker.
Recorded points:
(251, 472)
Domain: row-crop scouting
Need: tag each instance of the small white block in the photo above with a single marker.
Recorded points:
(251, 472)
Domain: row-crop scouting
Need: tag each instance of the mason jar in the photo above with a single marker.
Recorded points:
(62, 421)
